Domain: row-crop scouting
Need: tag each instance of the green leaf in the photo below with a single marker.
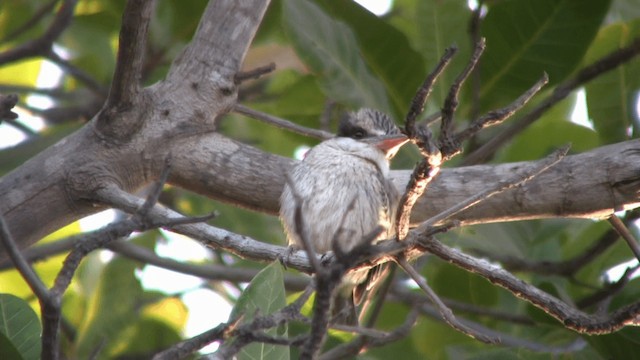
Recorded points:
(451, 282)
(19, 329)
(611, 97)
(330, 49)
(92, 40)
(439, 25)
(553, 130)
(527, 38)
(401, 73)
(623, 344)
(264, 295)
(112, 308)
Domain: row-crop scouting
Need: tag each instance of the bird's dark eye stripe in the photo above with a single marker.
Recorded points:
(348, 129)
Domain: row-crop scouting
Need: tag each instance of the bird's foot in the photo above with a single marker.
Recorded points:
(285, 257)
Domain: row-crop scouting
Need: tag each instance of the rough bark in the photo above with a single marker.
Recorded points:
(177, 117)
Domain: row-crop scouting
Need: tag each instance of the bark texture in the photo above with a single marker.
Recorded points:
(126, 144)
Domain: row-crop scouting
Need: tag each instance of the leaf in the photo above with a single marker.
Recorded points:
(439, 26)
(454, 283)
(527, 38)
(111, 309)
(553, 130)
(19, 329)
(611, 97)
(401, 73)
(330, 49)
(264, 295)
(623, 344)
(92, 40)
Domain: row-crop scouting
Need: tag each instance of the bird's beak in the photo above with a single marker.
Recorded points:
(389, 144)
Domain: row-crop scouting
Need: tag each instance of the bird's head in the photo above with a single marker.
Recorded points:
(373, 127)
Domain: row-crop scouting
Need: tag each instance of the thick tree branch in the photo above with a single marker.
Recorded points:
(133, 35)
(66, 176)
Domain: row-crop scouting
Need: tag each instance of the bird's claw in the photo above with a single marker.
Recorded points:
(285, 257)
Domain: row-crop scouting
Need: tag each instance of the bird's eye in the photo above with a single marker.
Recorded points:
(358, 134)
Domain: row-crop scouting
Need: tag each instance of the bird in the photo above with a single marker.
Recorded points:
(344, 192)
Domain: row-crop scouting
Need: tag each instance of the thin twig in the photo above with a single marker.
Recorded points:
(49, 303)
(608, 290)
(507, 339)
(571, 317)
(445, 312)
(624, 232)
(604, 64)
(402, 293)
(156, 188)
(498, 116)
(417, 103)
(38, 15)
(256, 73)
(516, 180)
(23, 267)
(448, 146)
(563, 268)
(189, 346)
(282, 123)
(356, 346)
(205, 271)
(81, 75)
(42, 45)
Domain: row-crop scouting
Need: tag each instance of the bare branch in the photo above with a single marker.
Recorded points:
(445, 312)
(126, 79)
(418, 101)
(448, 146)
(49, 303)
(515, 180)
(282, 123)
(497, 116)
(189, 346)
(609, 290)
(606, 63)
(82, 76)
(354, 347)
(624, 232)
(571, 318)
(38, 15)
(563, 268)
(23, 267)
(254, 73)
(42, 45)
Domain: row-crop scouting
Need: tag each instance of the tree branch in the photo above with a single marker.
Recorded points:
(583, 76)
(282, 123)
(42, 45)
(125, 85)
(569, 316)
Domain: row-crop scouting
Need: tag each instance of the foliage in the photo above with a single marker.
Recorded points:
(335, 56)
